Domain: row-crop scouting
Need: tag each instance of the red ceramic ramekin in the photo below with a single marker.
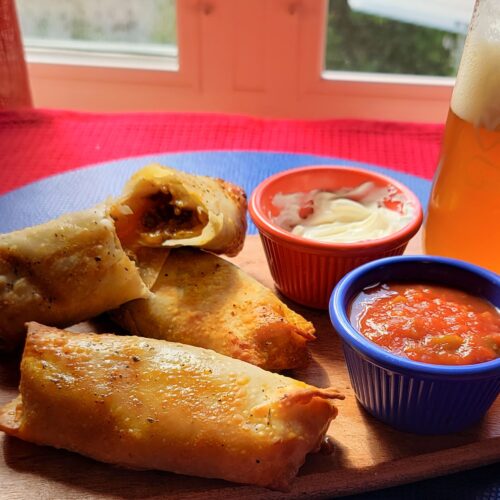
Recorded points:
(305, 270)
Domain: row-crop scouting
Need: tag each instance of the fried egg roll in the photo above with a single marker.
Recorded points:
(203, 300)
(63, 272)
(149, 404)
(162, 206)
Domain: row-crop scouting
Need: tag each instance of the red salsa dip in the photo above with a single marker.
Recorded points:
(428, 323)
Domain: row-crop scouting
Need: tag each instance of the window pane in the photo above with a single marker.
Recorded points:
(397, 36)
(116, 25)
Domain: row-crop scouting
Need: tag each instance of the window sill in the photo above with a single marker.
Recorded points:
(103, 55)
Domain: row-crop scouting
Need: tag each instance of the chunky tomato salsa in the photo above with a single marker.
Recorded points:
(428, 323)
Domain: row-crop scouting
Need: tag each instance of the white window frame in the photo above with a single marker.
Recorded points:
(104, 55)
(257, 57)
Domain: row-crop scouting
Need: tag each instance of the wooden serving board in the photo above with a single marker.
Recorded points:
(368, 454)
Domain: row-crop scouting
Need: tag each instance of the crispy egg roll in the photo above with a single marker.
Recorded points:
(162, 206)
(63, 272)
(150, 404)
(203, 300)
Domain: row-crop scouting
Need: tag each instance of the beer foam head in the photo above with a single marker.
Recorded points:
(476, 96)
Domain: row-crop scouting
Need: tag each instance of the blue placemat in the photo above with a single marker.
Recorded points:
(82, 188)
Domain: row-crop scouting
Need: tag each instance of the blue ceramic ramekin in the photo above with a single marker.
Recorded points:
(409, 395)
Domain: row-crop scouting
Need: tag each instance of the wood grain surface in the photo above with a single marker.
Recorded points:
(368, 454)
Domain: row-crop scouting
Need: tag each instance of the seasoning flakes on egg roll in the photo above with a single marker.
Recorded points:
(162, 206)
(203, 300)
(149, 404)
(62, 272)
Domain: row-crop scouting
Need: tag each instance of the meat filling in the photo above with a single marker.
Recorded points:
(167, 219)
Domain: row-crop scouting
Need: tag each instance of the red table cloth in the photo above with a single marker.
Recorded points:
(38, 143)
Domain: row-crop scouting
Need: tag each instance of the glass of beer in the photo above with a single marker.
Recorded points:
(463, 218)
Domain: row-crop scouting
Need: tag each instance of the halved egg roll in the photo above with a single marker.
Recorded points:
(149, 404)
(162, 206)
(203, 300)
(63, 272)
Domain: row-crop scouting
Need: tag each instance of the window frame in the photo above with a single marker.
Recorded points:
(257, 57)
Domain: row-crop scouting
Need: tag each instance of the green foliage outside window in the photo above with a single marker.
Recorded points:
(368, 43)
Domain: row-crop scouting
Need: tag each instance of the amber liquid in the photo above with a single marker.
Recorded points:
(464, 210)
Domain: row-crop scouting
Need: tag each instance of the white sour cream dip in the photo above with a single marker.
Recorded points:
(348, 215)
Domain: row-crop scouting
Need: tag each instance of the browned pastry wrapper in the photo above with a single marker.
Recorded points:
(165, 207)
(62, 272)
(150, 404)
(203, 300)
